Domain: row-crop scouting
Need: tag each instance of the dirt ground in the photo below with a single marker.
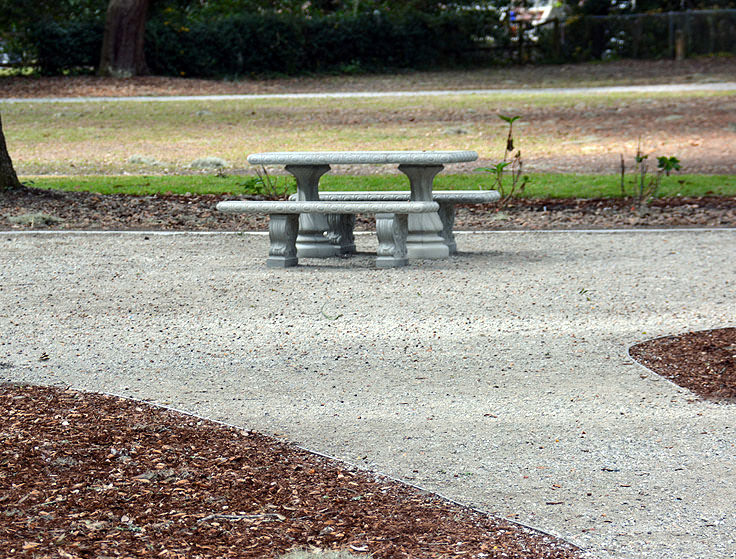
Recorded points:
(43, 209)
(624, 72)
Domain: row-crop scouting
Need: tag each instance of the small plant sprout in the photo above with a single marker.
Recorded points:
(510, 138)
(511, 164)
(270, 187)
(645, 186)
(668, 164)
(327, 316)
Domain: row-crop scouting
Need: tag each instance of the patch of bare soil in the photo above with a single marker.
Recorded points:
(31, 208)
(85, 475)
(622, 72)
(704, 362)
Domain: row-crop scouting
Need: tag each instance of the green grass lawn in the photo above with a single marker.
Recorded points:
(539, 185)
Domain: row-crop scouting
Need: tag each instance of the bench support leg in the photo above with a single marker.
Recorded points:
(447, 216)
(340, 232)
(391, 230)
(312, 242)
(282, 232)
(424, 240)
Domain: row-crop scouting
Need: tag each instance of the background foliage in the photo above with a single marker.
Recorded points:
(269, 43)
(217, 38)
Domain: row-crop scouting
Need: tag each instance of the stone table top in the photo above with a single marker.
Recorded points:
(358, 157)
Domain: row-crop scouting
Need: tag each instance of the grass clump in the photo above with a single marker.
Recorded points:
(143, 160)
(35, 219)
(209, 163)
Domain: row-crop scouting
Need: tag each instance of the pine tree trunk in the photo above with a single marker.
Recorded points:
(8, 178)
(122, 53)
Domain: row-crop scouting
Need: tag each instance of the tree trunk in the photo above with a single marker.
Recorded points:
(8, 178)
(122, 45)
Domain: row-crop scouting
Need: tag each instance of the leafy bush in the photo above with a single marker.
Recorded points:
(69, 46)
(269, 43)
(233, 46)
(284, 44)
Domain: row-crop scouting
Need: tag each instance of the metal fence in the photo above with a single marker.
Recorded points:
(665, 35)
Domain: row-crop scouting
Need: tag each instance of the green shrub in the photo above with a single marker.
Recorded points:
(270, 43)
(71, 46)
(227, 47)
(284, 44)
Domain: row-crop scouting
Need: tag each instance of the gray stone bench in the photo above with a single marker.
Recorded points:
(283, 227)
(420, 167)
(340, 226)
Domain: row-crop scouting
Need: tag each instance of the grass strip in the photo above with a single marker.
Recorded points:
(540, 185)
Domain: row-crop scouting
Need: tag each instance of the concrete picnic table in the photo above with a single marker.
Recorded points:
(424, 240)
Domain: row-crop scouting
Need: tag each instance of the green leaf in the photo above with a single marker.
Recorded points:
(668, 164)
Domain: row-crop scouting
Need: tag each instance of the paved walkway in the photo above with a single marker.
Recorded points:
(499, 378)
(568, 91)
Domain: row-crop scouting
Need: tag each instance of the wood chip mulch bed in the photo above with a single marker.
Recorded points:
(86, 475)
(703, 362)
(32, 208)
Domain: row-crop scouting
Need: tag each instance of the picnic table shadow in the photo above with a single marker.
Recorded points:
(365, 260)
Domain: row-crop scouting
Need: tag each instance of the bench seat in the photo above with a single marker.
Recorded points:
(341, 226)
(283, 226)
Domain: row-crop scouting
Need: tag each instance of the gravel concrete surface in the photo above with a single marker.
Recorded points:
(499, 378)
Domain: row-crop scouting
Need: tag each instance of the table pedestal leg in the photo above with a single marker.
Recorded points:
(311, 242)
(424, 240)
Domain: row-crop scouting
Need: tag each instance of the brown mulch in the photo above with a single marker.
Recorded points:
(86, 475)
(82, 210)
(703, 362)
